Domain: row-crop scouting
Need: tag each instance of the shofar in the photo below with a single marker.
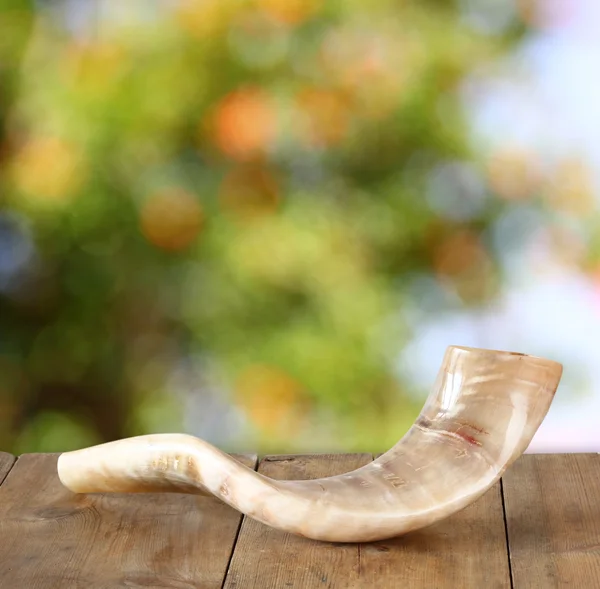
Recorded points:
(481, 415)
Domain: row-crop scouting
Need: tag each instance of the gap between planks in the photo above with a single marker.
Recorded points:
(49, 535)
(7, 461)
(510, 571)
(552, 510)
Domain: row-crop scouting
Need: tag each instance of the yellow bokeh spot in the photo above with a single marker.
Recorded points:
(47, 170)
(325, 116)
(571, 188)
(514, 174)
(376, 70)
(204, 18)
(567, 245)
(93, 67)
(272, 399)
(290, 12)
(171, 219)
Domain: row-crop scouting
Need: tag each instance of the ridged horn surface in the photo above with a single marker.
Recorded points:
(480, 416)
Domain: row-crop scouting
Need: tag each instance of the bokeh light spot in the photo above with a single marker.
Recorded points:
(462, 262)
(325, 116)
(459, 252)
(290, 12)
(48, 170)
(244, 123)
(271, 398)
(202, 18)
(54, 431)
(171, 219)
(571, 188)
(93, 66)
(514, 174)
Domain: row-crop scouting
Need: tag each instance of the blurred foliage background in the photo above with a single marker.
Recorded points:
(227, 217)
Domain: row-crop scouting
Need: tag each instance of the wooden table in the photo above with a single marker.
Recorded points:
(538, 527)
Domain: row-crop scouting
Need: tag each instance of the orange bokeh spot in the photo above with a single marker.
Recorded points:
(244, 123)
(171, 219)
(326, 114)
(249, 192)
(290, 12)
(514, 174)
(462, 261)
(48, 169)
(529, 12)
(271, 399)
(458, 253)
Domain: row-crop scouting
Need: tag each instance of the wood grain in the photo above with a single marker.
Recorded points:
(52, 538)
(6, 463)
(266, 558)
(552, 507)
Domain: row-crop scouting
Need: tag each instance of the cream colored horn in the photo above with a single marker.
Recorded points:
(480, 416)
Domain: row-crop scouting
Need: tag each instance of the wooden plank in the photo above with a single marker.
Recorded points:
(552, 507)
(468, 550)
(266, 558)
(52, 538)
(6, 463)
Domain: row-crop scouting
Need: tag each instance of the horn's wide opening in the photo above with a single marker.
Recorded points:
(486, 351)
(505, 353)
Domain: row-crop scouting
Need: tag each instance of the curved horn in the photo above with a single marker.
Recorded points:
(480, 416)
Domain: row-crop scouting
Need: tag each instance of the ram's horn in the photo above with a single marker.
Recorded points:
(480, 416)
